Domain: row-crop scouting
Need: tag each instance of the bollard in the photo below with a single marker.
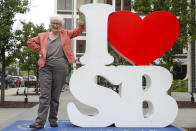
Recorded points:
(26, 99)
(192, 98)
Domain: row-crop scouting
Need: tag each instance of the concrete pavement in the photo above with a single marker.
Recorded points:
(186, 117)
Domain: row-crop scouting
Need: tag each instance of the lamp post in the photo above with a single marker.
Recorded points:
(26, 87)
(192, 60)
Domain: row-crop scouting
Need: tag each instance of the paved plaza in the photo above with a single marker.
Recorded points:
(186, 116)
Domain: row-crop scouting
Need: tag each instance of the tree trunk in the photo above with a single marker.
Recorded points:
(3, 76)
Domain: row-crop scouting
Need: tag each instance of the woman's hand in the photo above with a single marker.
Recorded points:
(81, 17)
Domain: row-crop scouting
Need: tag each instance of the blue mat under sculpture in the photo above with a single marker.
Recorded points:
(23, 125)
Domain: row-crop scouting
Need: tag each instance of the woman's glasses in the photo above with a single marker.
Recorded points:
(58, 24)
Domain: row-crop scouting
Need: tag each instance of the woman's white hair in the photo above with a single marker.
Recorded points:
(57, 17)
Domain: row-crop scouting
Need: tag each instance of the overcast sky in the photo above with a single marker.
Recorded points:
(40, 12)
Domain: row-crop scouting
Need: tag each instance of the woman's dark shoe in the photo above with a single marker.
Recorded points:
(53, 124)
(36, 125)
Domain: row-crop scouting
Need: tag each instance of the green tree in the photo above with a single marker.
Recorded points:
(12, 69)
(142, 6)
(27, 57)
(8, 10)
(184, 12)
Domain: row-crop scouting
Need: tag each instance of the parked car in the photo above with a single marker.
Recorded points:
(32, 78)
(6, 81)
(21, 81)
(7, 78)
(25, 78)
(10, 82)
(15, 81)
(30, 81)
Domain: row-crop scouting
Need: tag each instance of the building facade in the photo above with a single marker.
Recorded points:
(68, 10)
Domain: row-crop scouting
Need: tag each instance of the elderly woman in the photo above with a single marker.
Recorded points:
(56, 52)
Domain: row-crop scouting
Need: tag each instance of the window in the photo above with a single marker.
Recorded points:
(64, 6)
(105, 1)
(68, 24)
(108, 2)
(101, 1)
(80, 46)
(80, 49)
(82, 2)
(118, 5)
(127, 5)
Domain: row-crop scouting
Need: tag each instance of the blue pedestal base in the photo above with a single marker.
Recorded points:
(23, 125)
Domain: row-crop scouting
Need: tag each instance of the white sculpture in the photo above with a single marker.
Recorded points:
(124, 109)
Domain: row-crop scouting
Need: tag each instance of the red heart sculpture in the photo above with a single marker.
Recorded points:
(141, 41)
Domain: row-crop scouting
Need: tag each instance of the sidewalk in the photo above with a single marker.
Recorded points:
(186, 117)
